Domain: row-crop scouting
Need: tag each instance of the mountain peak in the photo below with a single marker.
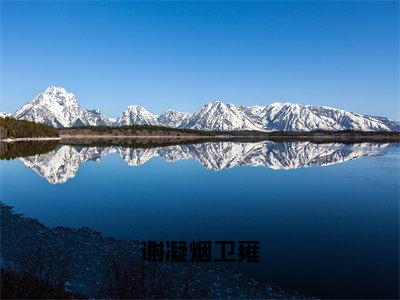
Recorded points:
(55, 106)
(136, 115)
(55, 96)
(95, 111)
(131, 107)
(215, 103)
(173, 118)
(283, 104)
(54, 89)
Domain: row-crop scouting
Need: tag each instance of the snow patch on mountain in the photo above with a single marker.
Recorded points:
(112, 121)
(4, 115)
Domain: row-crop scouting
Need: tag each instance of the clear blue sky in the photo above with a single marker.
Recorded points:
(182, 54)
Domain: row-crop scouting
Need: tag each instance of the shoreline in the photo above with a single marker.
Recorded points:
(320, 138)
(136, 136)
(325, 138)
(84, 257)
(11, 140)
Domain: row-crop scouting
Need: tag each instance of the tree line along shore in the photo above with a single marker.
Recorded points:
(14, 129)
(11, 128)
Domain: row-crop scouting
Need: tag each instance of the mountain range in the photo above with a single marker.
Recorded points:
(57, 107)
(62, 164)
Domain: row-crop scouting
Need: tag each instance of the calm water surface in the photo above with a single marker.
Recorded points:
(327, 216)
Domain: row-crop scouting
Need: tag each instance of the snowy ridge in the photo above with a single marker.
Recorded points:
(173, 118)
(217, 115)
(62, 164)
(3, 114)
(60, 108)
(138, 115)
(112, 121)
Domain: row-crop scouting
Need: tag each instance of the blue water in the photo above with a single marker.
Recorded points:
(329, 231)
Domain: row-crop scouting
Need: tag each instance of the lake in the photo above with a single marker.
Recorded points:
(326, 215)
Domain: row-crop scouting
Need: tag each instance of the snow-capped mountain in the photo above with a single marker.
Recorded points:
(112, 121)
(55, 106)
(138, 115)
(3, 114)
(62, 164)
(283, 116)
(60, 108)
(219, 116)
(96, 117)
(173, 118)
(295, 117)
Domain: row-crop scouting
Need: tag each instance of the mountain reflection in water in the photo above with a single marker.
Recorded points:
(62, 163)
